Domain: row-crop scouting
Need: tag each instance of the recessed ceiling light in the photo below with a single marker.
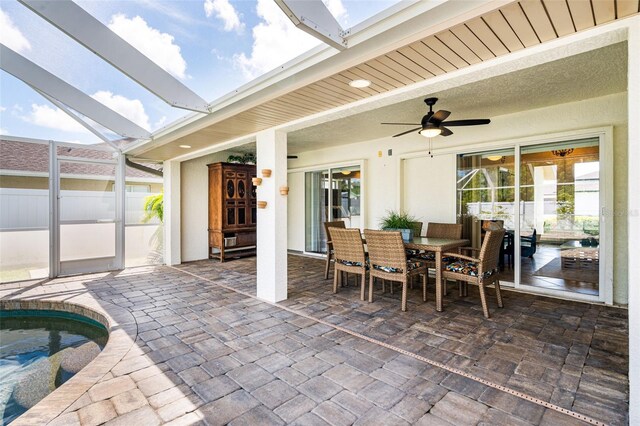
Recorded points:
(359, 84)
(185, 146)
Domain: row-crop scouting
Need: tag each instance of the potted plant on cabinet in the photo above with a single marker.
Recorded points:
(399, 221)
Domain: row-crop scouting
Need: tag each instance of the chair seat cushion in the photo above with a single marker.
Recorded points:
(466, 268)
(431, 257)
(411, 265)
(351, 263)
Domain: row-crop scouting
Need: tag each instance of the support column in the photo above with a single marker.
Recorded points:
(171, 212)
(271, 148)
(633, 192)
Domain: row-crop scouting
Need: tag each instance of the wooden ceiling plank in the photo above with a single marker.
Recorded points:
(409, 64)
(372, 75)
(291, 107)
(500, 27)
(444, 51)
(539, 20)
(484, 33)
(294, 99)
(395, 80)
(414, 56)
(386, 65)
(520, 24)
(341, 79)
(581, 13)
(453, 43)
(467, 37)
(325, 93)
(314, 97)
(355, 73)
(626, 8)
(604, 10)
(560, 17)
(433, 56)
(265, 114)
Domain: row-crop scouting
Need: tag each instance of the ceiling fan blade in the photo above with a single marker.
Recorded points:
(408, 131)
(439, 116)
(445, 131)
(403, 124)
(470, 122)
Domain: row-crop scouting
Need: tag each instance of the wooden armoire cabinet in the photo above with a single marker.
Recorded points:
(232, 210)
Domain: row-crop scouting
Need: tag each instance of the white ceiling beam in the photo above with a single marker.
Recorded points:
(97, 37)
(313, 17)
(45, 82)
(83, 123)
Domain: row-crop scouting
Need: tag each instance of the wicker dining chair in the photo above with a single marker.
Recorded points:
(327, 225)
(481, 270)
(388, 261)
(349, 256)
(417, 228)
(451, 231)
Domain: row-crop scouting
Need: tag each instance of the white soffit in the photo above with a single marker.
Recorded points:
(95, 36)
(313, 17)
(47, 83)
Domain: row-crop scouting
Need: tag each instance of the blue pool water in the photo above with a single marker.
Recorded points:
(39, 351)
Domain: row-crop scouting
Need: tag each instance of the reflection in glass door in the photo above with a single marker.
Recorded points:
(330, 195)
(555, 244)
(316, 210)
(486, 193)
(560, 216)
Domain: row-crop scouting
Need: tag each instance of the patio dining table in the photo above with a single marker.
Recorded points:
(438, 246)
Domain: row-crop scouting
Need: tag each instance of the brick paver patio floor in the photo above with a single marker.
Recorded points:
(207, 352)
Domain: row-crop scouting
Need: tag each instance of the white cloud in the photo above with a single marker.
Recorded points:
(4, 131)
(55, 118)
(11, 36)
(160, 123)
(224, 11)
(2, 109)
(52, 118)
(337, 9)
(275, 41)
(157, 46)
(129, 108)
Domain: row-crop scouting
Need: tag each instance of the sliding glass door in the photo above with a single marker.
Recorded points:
(560, 216)
(549, 199)
(330, 195)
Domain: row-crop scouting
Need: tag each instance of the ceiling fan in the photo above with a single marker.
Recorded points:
(433, 124)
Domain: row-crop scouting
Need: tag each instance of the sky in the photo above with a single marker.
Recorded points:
(211, 46)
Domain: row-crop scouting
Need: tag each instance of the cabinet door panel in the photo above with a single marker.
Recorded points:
(231, 188)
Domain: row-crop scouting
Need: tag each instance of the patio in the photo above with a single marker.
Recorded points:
(206, 350)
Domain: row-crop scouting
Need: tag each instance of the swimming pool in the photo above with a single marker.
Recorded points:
(39, 351)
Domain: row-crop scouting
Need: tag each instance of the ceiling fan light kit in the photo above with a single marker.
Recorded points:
(430, 131)
(434, 124)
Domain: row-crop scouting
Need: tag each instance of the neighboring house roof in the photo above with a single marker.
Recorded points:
(29, 157)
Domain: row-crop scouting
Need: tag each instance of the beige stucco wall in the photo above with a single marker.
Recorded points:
(382, 175)
(194, 193)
